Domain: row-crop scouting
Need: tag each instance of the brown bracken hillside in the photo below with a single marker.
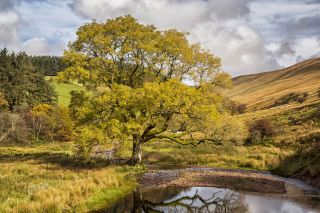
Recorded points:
(263, 90)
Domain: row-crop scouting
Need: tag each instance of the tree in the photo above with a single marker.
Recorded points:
(123, 51)
(260, 130)
(241, 108)
(47, 65)
(50, 122)
(13, 129)
(135, 74)
(153, 112)
(21, 85)
(230, 130)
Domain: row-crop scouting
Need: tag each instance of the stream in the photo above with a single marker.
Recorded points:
(178, 194)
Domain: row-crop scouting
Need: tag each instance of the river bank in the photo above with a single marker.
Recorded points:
(235, 179)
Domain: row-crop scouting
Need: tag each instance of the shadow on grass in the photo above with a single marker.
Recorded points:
(61, 159)
(304, 164)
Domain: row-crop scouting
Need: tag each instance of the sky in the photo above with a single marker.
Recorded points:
(250, 36)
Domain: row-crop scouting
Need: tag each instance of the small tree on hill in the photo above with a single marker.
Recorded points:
(260, 130)
(241, 108)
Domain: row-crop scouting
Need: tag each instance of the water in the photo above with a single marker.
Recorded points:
(210, 199)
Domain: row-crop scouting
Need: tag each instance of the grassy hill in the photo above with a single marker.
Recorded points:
(63, 90)
(262, 90)
(275, 96)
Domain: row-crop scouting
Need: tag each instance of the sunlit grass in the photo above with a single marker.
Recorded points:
(252, 157)
(63, 90)
(31, 183)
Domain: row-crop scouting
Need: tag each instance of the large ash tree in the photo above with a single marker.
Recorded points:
(135, 73)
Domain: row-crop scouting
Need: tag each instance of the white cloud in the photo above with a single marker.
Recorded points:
(218, 26)
(39, 46)
(241, 49)
(307, 47)
(9, 22)
(249, 35)
(290, 53)
(37, 27)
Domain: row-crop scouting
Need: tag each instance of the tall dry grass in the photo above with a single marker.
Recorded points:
(30, 184)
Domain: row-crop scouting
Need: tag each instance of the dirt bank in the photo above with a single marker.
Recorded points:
(253, 181)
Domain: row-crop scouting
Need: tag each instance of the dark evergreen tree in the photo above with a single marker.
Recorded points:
(21, 84)
(48, 65)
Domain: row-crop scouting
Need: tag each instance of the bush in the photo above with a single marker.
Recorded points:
(261, 131)
(50, 122)
(229, 130)
(302, 98)
(87, 138)
(291, 98)
(13, 129)
(234, 107)
(241, 108)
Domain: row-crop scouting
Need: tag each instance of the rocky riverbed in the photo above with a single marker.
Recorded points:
(252, 181)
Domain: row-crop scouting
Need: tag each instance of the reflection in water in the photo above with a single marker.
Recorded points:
(217, 202)
(200, 200)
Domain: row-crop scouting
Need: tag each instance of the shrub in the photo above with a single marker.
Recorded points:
(87, 137)
(302, 98)
(229, 130)
(234, 107)
(51, 123)
(261, 130)
(13, 129)
(241, 108)
(291, 98)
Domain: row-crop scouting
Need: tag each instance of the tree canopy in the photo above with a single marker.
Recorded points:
(20, 83)
(47, 65)
(135, 73)
(123, 51)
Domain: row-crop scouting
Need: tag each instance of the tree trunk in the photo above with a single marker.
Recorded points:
(136, 153)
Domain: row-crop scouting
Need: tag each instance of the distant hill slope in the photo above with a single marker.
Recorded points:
(262, 90)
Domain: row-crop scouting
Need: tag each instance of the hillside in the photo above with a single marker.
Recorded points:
(63, 90)
(262, 90)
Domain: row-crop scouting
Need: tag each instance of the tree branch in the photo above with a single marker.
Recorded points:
(193, 142)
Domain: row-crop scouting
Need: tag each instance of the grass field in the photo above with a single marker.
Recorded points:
(46, 178)
(63, 90)
(168, 155)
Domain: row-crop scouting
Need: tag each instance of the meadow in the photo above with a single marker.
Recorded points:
(48, 178)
